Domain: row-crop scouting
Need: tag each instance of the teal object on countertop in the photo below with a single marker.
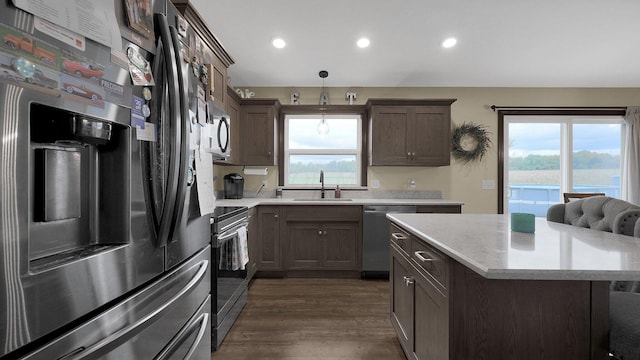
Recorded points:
(523, 222)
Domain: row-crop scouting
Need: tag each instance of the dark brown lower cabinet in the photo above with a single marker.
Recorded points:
(309, 240)
(322, 246)
(418, 311)
(402, 299)
(253, 243)
(269, 247)
(323, 237)
(305, 245)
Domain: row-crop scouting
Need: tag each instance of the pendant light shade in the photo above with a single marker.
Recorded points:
(323, 126)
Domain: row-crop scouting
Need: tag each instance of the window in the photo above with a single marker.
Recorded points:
(546, 155)
(338, 154)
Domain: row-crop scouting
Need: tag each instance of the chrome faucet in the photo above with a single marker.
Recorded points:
(322, 182)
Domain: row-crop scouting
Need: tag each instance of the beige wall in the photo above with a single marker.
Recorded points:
(457, 181)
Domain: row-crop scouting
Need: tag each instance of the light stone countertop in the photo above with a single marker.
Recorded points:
(485, 244)
(252, 202)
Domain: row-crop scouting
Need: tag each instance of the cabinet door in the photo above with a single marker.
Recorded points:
(431, 319)
(257, 135)
(389, 130)
(253, 243)
(305, 245)
(233, 110)
(428, 139)
(340, 241)
(401, 283)
(219, 82)
(270, 253)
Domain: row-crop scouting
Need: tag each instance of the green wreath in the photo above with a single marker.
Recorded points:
(470, 142)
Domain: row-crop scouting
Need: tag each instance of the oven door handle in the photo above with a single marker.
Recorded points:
(230, 234)
(233, 226)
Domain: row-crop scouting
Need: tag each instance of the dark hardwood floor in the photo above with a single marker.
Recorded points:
(313, 319)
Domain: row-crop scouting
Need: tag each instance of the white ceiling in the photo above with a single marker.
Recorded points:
(513, 43)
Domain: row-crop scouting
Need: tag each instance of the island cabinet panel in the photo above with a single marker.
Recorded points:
(431, 320)
(550, 318)
(441, 309)
(269, 248)
(402, 299)
(258, 131)
(409, 132)
(419, 310)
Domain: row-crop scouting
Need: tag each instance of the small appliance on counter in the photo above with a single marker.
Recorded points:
(233, 186)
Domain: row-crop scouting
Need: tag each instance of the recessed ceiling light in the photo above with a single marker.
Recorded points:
(363, 43)
(450, 42)
(278, 43)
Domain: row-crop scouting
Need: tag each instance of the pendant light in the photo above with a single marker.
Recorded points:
(323, 126)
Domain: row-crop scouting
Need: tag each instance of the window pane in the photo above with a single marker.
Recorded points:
(338, 169)
(303, 133)
(534, 167)
(596, 158)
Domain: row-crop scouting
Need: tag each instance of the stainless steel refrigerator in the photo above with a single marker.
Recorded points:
(104, 252)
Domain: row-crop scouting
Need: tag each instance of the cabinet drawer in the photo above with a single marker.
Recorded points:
(430, 260)
(323, 213)
(401, 238)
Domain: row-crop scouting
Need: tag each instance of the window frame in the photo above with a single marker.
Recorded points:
(329, 110)
(503, 148)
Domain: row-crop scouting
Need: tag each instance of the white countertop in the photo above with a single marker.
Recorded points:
(486, 245)
(251, 202)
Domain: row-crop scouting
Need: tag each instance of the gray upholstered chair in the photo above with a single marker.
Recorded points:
(620, 217)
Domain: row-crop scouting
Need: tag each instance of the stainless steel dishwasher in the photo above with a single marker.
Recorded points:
(375, 238)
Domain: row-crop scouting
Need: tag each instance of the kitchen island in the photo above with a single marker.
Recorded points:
(467, 287)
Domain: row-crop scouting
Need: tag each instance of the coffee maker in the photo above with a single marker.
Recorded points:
(233, 186)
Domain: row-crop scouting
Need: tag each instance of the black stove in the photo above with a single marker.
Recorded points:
(228, 284)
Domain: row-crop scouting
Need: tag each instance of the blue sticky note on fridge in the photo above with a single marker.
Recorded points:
(137, 117)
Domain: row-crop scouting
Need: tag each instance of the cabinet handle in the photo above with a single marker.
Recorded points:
(409, 155)
(413, 155)
(319, 232)
(275, 215)
(398, 236)
(324, 232)
(268, 153)
(418, 254)
(408, 280)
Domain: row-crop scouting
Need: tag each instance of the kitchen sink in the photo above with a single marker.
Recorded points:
(325, 199)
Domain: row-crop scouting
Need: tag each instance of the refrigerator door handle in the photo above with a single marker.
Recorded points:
(183, 125)
(201, 323)
(166, 225)
(121, 336)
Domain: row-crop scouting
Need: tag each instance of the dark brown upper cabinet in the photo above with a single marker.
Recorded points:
(409, 132)
(258, 132)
